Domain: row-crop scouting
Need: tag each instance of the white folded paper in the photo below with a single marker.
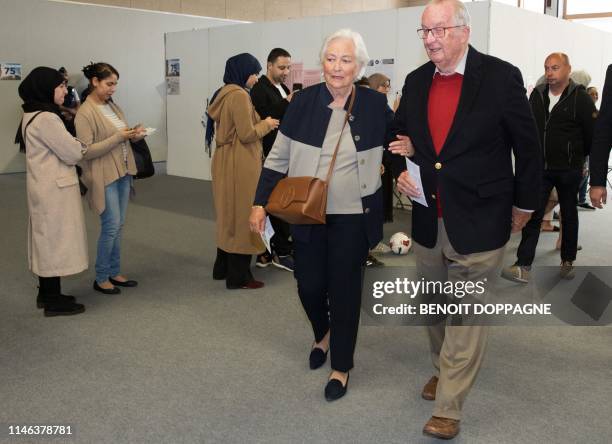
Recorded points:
(267, 234)
(149, 131)
(415, 174)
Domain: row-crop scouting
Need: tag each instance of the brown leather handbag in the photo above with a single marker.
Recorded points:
(303, 200)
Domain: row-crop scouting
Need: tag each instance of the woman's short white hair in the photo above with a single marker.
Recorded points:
(361, 52)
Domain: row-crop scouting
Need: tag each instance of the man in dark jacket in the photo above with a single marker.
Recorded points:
(271, 98)
(602, 142)
(565, 116)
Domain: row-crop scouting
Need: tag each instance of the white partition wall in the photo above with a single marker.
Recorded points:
(184, 116)
(525, 38)
(203, 55)
(387, 34)
(40, 32)
(521, 37)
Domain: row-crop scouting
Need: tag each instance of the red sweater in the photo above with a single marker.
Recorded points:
(443, 100)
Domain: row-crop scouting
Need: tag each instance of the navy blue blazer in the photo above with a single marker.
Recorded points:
(474, 172)
(602, 139)
(297, 149)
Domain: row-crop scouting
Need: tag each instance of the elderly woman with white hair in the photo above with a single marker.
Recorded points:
(329, 257)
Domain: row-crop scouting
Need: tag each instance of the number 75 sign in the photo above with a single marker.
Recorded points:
(10, 71)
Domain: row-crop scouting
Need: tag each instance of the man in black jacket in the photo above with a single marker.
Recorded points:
(271, 98)
(602, 142)
(565, 115)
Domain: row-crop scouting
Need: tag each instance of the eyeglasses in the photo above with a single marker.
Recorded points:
(437, 32)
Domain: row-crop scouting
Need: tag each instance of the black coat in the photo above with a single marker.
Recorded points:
(602, 138)
(566, 132)
(268, 102)
(475, 175)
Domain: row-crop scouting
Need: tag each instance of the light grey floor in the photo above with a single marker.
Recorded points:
(180, 359)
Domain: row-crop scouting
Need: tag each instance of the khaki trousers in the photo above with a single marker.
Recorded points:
(456, 351)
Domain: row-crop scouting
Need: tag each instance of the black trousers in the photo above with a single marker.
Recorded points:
(567, 183)
(328, 269)
(281, 244)
(387, 192)
(235, 268)
(49, 286)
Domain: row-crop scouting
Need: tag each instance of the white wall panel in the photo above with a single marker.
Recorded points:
(538, 35)
(521, 37)
(39, 32)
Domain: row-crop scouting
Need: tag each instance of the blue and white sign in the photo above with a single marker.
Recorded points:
(10, 71)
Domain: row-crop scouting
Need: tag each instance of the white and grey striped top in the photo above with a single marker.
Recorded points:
(343, 193)
(108, 112)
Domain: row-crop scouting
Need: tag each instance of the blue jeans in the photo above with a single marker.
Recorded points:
(108, 258)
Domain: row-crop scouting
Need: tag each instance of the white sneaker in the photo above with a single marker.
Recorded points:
(381, 249)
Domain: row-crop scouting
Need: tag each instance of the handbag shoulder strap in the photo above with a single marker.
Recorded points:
(346, 118)
(21, 136)
(30, 121)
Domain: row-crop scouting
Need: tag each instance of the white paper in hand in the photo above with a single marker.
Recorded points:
(149, 131)
(267, 234)
(415, 173)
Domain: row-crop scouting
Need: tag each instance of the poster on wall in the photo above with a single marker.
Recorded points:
(10, 71)
(302, 78)
(311, 77)
(173, 77)
(382, 66)
(296, 76)
(387, 68)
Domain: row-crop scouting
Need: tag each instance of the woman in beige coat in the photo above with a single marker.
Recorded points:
(236, 166)
(57, 242)
(107, 170)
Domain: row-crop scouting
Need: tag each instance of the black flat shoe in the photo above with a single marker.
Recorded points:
(129, 283)
(113, 290)
(335, 390)
(40, 300)
(317, 358)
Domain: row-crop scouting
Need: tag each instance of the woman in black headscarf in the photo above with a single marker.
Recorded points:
(57, 242)
(236, 165)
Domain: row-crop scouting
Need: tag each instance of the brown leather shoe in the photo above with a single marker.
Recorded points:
(429, 391)
(444, 428)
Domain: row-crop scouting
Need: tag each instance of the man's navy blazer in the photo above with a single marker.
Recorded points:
(474, 171)
(602, 139)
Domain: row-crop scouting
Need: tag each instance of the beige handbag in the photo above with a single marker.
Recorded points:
(303, 200)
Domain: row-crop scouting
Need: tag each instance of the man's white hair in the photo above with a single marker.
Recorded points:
(462, 15)
(361, 52)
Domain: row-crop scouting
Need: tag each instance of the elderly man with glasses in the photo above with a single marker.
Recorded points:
(465, 113)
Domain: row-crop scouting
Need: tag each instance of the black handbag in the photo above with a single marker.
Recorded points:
(144, 162)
